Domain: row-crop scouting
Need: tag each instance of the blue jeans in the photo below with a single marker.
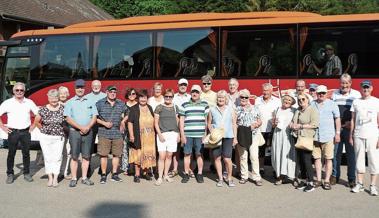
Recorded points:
(350, 156)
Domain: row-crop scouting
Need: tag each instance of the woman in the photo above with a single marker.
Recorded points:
(248, 117)
(223, 116)
(142, 137)
(166, 125)
(304, 124)
(63, 97)
(131, 96)
(283, 154)
(157, 97)
(50, 121)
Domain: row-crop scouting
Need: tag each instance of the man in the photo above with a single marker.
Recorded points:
(233, 92)
(364, 135)
(333, 65)
(344, 97)
(208, 95)
(193, 117)
(111, 126)
(179, 98)
(18, 110)
(328, 130)
(300, 87)
(81, 115)
(312, 90)
(267, 105)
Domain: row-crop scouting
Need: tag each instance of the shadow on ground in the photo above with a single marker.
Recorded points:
(117, 210)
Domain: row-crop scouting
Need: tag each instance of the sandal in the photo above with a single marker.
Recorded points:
(172, 174)
(243, 181)
(191, 174)
(258, 183)
(327, 186)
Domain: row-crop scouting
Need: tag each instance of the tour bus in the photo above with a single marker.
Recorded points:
(254, 47)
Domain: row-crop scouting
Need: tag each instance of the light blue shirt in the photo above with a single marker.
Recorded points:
(223, 120)
(81, 110)
(328, 112)
(95, 97)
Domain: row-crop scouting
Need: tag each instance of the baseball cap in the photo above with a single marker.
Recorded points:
(80, 83)
(321, 88)
(111, 88)
(196, 88)
(183, 80)
(313, 86)
(366, 83)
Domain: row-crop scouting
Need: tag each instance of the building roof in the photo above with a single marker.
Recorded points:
(52, 12)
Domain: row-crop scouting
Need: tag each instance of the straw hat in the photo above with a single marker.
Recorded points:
(214, 138)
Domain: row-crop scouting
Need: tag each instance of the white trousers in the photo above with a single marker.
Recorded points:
(52, 147)
(360, 147)
(254, 158)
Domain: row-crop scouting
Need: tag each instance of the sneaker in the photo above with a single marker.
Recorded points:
(28, 178)
(10, 179)
(168, 179)
(116, 178)
(185, 178)
(231, 183)
(373, 190)
(103, 179)
(301, 185)
(88, 182)
(158, 182)
(309, 188)
(199, 178)
(358, 188)
(148, 177)
(220, 183)
(73, 183)
(137, 179)
(351, 184)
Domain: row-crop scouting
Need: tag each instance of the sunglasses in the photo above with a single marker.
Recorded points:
(208, 84)
(195, 91)
(79, 87)
(19, 90)
(244, 97)
(168, 96)
(301, 99)
(321, 93)
(183, 84)
(133, 93)
(365, 87)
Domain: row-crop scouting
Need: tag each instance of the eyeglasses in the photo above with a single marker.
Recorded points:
(168, 96)
(301, 99)
(244, 97)
(19, 90)
(183, 84)
(133, 93)
(195, 91)
(208, 84)
(79, 87)
(321, 93)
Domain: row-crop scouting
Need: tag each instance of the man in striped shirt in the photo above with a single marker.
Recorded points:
(193, 116)
(344, 97)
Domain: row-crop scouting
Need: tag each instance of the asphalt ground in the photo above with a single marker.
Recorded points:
(145, 200)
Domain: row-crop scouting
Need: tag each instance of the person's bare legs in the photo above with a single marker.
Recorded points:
(85, 166)
(115, 164)
(318, 166)
(103, 164)
(74, 169)
(187, 163)
(161, 163)
(137, 170)
(373, 179)
(328, 170)
(218, 166)
(200, 163)
(55, 179)
(50, 180)
(167, 163)
(229, 167)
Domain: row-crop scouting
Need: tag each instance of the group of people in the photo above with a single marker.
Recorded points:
(304, 131)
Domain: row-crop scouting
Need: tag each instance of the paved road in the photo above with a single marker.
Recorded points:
(144, 200)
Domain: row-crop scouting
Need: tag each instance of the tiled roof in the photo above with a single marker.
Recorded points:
(59, 12)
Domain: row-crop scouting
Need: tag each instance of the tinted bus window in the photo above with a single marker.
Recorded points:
(62, 57)
(123, 55)
(16, 70)
(259, 52)
(186, 53)
(331, 51)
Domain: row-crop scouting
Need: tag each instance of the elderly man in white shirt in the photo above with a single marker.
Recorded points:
(267, 105)
(18, 110)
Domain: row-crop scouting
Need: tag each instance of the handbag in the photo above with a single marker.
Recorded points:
(244, 136)
(304, 143)
(258, 139)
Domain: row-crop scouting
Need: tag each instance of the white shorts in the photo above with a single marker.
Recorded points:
(170, 144)
(361, 146)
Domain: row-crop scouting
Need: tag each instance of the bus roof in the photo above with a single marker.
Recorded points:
(200, 20)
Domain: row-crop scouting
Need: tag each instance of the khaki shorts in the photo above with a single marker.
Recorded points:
(105, 146)
(325, 150)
